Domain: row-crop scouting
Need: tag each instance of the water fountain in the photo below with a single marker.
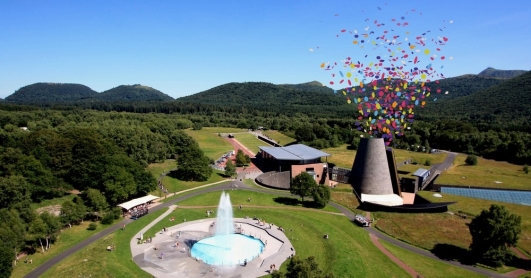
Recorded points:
(226, 247)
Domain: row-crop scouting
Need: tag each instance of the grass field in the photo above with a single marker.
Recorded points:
(95, 261)
(428, 267)
(473, 206)
(240, 197)
(212, 145)
(347, 253)
(156, 169)
(279, 137)
(485, 174)
(420, 158)
(67, 239)
(176, 185)
(249, 141)
(341, 156)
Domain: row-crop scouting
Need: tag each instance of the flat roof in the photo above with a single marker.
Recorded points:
(420, 172)
(294, 152)
(138, 201)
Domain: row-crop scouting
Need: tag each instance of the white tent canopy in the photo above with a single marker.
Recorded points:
(138, 201)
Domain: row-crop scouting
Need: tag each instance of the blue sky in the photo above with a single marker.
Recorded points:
(185, 47)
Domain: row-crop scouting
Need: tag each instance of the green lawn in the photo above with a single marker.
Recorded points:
(240, 197)
(473, 206)
(212, 145)
(420, 158)
(348, 253)
(488, 173)
(249, 141)
(176, 185)
(341, 156)
(95, 261)
(156, 169)
(67, 239)
(279, 137)
(428, 267)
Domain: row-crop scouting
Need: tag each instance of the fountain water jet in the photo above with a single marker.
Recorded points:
(226, 247)
(224, 222)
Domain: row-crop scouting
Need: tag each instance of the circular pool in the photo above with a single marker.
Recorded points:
(231, 249)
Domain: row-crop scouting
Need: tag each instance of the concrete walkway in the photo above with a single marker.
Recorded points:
(168, 255)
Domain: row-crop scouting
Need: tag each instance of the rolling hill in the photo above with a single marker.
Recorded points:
(61, 93)
(51, 93)
(264, 94)
(509, 101)
(504, 74)
(133, 93)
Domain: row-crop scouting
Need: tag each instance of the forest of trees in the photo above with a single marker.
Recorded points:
(101, 149)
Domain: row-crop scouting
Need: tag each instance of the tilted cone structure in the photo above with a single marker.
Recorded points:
(370, 175)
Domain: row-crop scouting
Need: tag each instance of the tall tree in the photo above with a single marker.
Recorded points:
(230, 169)
(53, 227)
(240, 158)
(6, 262)
(321, 195)
(302, 185)
(493, 232)
(95, 201)
(39, 230)
(193, 165)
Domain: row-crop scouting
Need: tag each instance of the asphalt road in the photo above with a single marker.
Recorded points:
(241, 186)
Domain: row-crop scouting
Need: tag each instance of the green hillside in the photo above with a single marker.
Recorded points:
(463, 85)
(507, 101)
(133, 93)
(51, 93)
(496, 73)
(264, 94)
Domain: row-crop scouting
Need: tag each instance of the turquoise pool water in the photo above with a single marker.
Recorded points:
(232, 249)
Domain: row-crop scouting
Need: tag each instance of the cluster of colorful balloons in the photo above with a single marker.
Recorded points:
(389, 77)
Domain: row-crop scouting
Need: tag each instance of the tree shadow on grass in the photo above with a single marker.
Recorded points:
(519, 263)
(449, 252)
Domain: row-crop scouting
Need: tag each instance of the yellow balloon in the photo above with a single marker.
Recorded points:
(348, 73)
(426, 51)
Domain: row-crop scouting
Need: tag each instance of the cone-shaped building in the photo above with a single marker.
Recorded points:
(370, 175)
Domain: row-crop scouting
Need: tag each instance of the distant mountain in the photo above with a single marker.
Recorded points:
(463, 85)
(57, 93)
(496, 73)
(509, 101)
(51, 93)
(133, 93)
(266, 94)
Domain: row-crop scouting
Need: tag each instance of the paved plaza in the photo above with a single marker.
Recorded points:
(177, 262)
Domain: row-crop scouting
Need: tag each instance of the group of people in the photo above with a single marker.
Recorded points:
(208, 212)
(272, 268)
(111, 248)
(139, 210)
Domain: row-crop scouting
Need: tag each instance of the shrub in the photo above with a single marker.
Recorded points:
(107, 219)
(526, 169)
(427, 163)
(471, 160)
(92, 226)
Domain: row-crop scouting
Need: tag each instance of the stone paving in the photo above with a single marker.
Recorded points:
(177, 262)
